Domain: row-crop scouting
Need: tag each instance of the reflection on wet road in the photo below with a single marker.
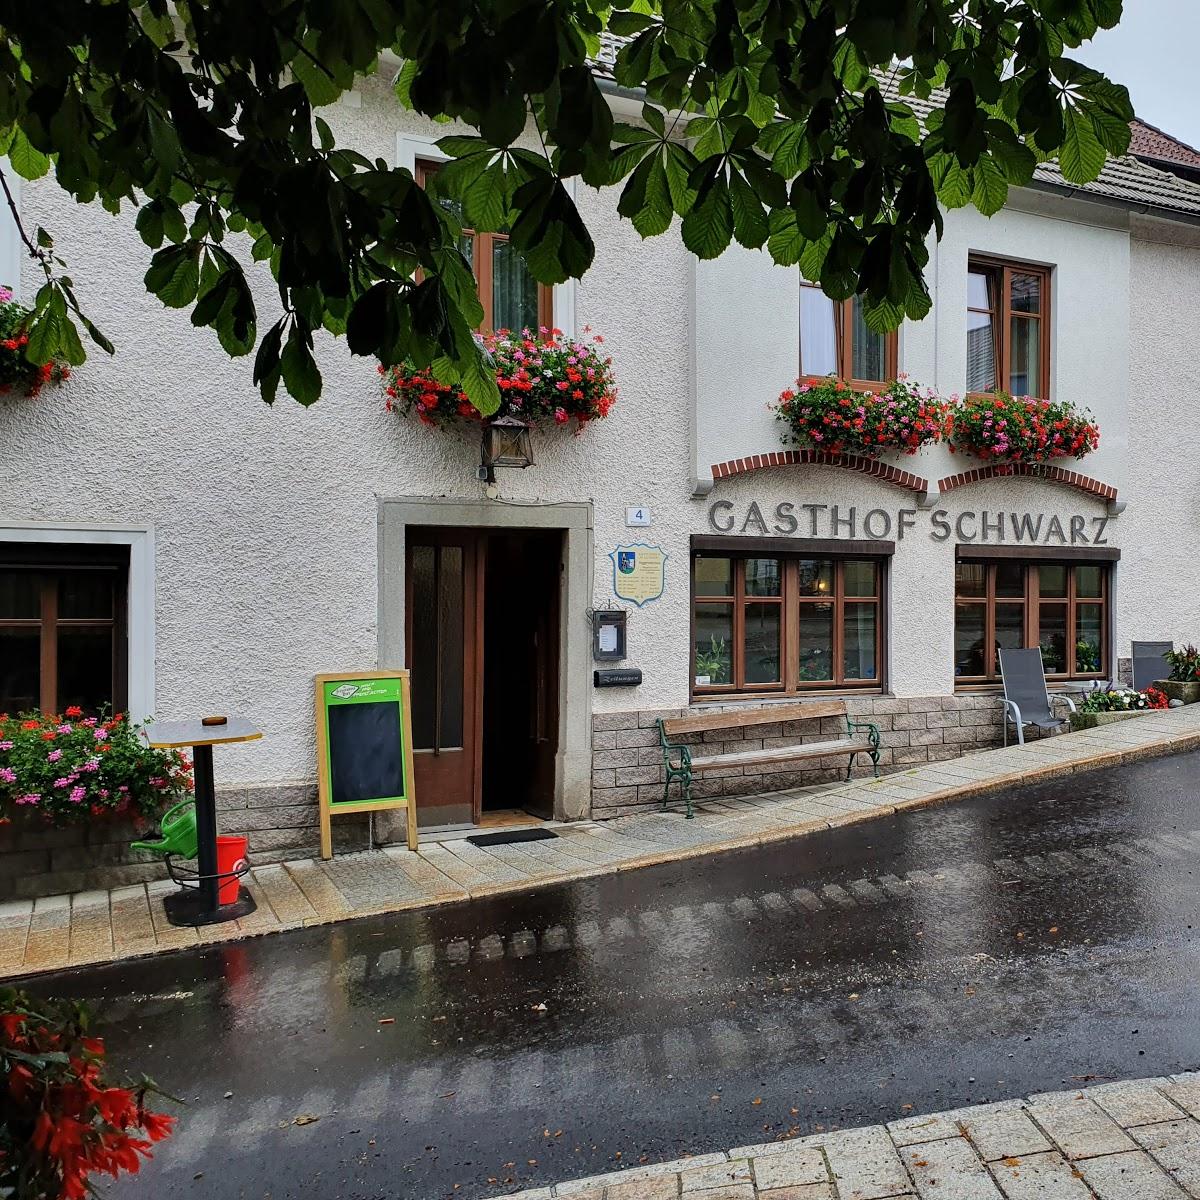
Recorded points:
(991, 948)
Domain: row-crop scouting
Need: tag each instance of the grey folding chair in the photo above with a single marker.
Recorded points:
(1150, 663)
(1026, 697)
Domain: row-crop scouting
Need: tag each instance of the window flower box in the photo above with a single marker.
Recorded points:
(829, 414)
(545, 379)
(1020, 429)
(17, 373)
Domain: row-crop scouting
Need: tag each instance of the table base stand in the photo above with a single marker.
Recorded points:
(199, 903)
(191, 908)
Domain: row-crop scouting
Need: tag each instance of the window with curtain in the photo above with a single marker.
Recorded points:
(1007, 604)
(835, 340)
(62, 629)
(511, 297)
(1008, 345)
(784, 624)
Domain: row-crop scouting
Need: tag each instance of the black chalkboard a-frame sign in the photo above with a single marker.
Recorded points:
(364, 748)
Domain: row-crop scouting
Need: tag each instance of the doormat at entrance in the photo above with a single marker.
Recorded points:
(511, 835)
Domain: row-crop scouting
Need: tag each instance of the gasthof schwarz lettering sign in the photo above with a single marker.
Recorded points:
(789, 519)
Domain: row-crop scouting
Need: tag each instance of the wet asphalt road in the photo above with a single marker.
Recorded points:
(981, 950)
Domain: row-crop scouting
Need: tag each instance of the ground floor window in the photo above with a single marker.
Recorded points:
(62, 628)
(783, 624)
(1009, 604)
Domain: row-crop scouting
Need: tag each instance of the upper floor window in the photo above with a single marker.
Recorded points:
(62, 628)
(511, 297)
(835, 340)
(1008, 328)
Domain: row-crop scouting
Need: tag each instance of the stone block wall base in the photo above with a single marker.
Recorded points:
(627, 759)
(279, 821)
(40, 860)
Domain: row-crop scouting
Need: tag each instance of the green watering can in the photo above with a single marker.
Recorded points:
(178, 834)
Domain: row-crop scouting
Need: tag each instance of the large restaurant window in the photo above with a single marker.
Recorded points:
(511, 297)
(1008, 604)
(1008, 328)
(783, 625)
(835, 340)
(62, 629)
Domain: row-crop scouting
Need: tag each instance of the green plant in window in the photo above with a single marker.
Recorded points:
(1054, 654)
(815, 666)
(713, 662)
(1087, 655)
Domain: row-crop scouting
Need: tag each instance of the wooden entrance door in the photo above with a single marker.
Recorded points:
(444, 635)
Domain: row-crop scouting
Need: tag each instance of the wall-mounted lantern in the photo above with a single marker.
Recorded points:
(506, 443)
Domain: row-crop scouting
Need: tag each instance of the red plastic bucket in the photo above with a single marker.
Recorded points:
(231, 854)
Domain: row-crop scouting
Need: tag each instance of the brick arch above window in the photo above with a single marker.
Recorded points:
(848, 462)
(1061, 475)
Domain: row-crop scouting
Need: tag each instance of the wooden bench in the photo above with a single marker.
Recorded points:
(682, 762)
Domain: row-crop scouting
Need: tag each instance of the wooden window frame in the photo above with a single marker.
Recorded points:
(48, 570)
(843, 323)
(1031, 627)
(481, 262)
(790, 601)
(1003, 314)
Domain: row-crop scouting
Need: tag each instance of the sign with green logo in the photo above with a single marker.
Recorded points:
(364, 748)
(639, 572)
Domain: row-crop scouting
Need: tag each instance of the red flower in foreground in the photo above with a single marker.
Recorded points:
(62, 1122)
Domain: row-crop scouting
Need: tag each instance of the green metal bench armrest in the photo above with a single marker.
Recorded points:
(871, 728)
(669, 748)
(684, 753)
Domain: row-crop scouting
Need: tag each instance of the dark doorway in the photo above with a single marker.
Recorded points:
(520, 670)
(482, 636)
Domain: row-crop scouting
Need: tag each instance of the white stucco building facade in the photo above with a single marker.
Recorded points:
(259, 546)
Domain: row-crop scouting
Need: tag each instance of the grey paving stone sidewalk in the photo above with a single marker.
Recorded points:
(1134, 1140)
(52, 932)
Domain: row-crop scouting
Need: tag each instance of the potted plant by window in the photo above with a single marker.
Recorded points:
(1103, 708)
(712, 663)
(1184, 682)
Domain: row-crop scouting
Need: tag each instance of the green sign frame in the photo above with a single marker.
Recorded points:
(363, 687)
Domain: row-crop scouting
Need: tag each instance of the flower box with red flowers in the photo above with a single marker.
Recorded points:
(1020, 429)
(17, 373)
(829, 414)
(545, 379)
(72, 769)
